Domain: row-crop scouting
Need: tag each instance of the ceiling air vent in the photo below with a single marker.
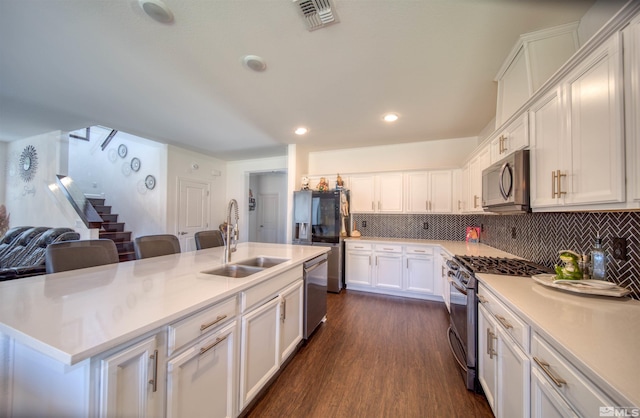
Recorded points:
(316, 13)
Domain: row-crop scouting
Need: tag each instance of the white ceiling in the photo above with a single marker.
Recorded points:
(68, 64)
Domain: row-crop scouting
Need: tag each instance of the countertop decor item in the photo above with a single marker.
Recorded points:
(354, 232)
(583, 287)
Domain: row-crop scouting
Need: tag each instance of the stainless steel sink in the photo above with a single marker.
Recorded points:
(264, 262)
(234, 270)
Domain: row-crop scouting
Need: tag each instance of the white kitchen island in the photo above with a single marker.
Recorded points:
(91, 342)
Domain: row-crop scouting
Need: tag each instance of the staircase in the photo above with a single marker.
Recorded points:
(114, 230)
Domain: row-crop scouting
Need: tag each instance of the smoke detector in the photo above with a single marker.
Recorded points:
(316, 13)
(254, 62)
(157, 10)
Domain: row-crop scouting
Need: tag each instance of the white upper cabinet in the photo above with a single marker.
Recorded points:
(577, 135)
(515, 137)
(532, 61)
(479, 162)
(632, 94)
(429, 192)
(376, 193)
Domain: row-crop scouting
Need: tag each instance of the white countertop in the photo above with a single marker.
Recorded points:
(600, 335)
(74, 315)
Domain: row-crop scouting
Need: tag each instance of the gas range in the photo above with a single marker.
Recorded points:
(497, 265)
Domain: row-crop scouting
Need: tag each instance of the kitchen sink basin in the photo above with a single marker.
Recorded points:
(264, 262)
(234, 270)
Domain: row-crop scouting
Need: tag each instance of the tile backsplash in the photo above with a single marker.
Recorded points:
(535, 236)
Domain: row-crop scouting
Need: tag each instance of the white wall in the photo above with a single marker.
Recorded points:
(189, 165)
(238, 184)
(32, 203)
(426, 155)
(596, 17)
(105, 173)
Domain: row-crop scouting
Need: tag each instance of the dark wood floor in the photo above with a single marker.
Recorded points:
(376, 356)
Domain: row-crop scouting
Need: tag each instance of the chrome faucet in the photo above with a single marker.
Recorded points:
(227, 248)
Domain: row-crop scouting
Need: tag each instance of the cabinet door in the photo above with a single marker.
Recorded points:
(259, 349)
(201, 380)
(417, 192)
(291, 316)
(476, 165)
(548, 145)
(546, 402)
(513, 378)
(487, 356)
(388, 271)
(358, 268)
(441, 192)
(131, 382)
(632, 95)
(419, 274)
(389, 193)
(513, 88)
(465, 190)
(594, 97)
(362, 195)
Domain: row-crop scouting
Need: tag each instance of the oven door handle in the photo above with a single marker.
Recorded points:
(457, 286)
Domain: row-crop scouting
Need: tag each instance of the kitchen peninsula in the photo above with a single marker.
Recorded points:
(94, 341)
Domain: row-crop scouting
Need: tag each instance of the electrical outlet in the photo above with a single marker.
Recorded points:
(364, 224)
(620, 248)
(513, 232)
(425, 225)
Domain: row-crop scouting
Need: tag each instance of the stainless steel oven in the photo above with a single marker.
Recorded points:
(463, 333)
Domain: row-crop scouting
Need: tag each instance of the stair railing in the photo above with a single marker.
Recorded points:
(80, 203)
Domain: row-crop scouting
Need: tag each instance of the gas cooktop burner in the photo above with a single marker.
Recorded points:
(507, 266)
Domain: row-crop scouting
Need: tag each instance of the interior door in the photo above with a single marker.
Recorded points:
(268, 206)
(193, 211)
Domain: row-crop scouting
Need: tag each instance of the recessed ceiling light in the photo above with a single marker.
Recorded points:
(157, 10)
(390, 117)
(255, 63)
(301, 130)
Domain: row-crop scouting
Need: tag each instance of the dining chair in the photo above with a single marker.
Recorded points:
(73, 255)
(209, 239)
(156, 245)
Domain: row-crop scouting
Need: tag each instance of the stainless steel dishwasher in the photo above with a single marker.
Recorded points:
(315, 293)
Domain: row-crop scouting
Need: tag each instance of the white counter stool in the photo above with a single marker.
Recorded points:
(209, 239)
(73, 255)
(156, 245)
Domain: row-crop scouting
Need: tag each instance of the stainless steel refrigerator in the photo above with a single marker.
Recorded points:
(321, 218)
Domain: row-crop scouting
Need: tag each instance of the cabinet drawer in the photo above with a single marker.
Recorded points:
(186, 330)
(388, 248)
(358, 246)
(581, 393)
(507, 319)
(268, 288)
(419, 250)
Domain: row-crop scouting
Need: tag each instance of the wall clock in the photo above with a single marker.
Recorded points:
(122, 150)
(150, 182)
(135, 164)
(28, 163)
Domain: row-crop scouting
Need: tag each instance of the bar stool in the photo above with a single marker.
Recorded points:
(209, 239)
(156, 245)
(73, 255)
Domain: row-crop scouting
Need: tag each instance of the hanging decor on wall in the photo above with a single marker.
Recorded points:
(122, 150)
(28, 163)
(252, 201)
(135, 164)
(150, 182)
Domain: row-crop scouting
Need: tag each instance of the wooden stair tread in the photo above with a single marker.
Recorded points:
(111, 229)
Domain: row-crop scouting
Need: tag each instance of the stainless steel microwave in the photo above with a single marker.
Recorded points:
(505, 184)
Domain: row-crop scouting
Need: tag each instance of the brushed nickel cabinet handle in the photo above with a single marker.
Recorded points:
(154, 381)
(482, 299)
(553, 185)
(504, 322)
(373, 205)
(212, 323)
(213, 344)
(559, 175)
(558, 381)
(490, 349)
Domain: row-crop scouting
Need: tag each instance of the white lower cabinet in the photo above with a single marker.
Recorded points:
(201, 381)
(291, 316)
(546, 402)
(132, 381)
(259, 349)
(392, 268)
(503, 364)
